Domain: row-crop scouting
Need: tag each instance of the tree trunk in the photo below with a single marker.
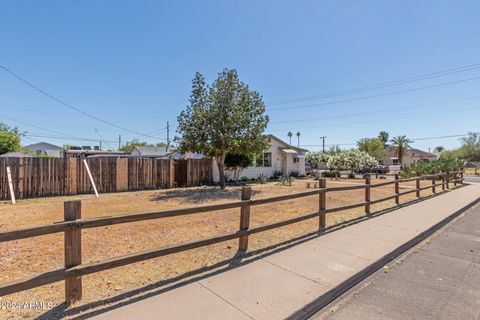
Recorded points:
(221, 170)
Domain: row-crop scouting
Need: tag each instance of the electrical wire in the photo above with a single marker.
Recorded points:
(378, 95)
(31, 85)
(387, 84)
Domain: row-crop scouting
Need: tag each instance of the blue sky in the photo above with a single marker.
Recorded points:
(131, 63)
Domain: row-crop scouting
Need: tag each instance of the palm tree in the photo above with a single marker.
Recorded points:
(290, 134)
(401, 144)
(439, 149)
(383, 136)
(298, 138)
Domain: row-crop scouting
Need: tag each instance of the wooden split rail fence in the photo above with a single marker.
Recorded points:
(41, 177)
(73, 224)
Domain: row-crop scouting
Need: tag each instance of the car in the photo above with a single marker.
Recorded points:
(380, 169)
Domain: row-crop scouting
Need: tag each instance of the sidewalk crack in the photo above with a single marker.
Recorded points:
(228, 302)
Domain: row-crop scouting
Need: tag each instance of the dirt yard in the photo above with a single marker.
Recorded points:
(107, 289)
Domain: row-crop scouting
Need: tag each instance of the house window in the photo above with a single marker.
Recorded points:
(296, 160)
(395, 162)
(264, 160)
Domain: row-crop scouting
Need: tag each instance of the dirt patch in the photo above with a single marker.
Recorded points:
(114, 287)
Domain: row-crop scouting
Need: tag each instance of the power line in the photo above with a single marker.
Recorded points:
(378, 95)
(47, 130)
(385, 119)
(159, 130)
(71, 106)
(387, 61)
(383, 110)
(64, 138)
(413, 139)
(427, 76)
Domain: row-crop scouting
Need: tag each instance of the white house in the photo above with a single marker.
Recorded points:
(45, 149)
(279, 159)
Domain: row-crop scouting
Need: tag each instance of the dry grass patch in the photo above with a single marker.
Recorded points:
(41, 254)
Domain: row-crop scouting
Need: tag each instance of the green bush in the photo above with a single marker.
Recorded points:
(432, 167)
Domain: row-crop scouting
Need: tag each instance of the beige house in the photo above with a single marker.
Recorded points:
(279, 159)
(410, 157)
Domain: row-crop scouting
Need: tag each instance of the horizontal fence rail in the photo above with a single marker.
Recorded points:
(73, 224)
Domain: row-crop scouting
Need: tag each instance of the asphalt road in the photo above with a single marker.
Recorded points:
(472, 179)
(438, 279)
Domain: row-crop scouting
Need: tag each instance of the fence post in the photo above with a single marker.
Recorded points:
(417, 185)
(443, 181)
(73, 251)
(367, 195)
(322, 197)
(433, 184)
(455, 178)
(447, 179)
(245, 218)
(397, 189)
(461, 177)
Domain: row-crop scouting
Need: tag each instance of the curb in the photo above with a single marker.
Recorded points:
(319, 303)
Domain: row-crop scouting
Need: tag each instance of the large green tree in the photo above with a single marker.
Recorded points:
(9, 139)
(401, 145)
(224, 117)
(470, 149)
(373, 146)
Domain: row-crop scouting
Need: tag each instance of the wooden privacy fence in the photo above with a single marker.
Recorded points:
(73, 224)
(40, 177)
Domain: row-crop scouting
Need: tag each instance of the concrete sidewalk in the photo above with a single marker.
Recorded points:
(295, 282)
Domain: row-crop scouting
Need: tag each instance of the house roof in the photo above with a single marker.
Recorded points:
(420, 153)
(411, 151)
(153, 151)
(16, 155)
(43, 146)
(286, 144)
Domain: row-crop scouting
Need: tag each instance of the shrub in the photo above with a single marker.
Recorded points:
(431, 167)
(262, 178)
(308, 184)
(285, 181)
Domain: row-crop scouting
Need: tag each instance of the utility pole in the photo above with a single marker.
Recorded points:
(119, 141)
(168, 136)
(323, 143)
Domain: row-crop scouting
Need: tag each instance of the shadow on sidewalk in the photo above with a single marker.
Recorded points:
(90, 310)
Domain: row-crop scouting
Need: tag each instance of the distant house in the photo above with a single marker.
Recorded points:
(279, 158)
(45, 149)
(152, 151)
(410, 157)
(91, 153)
(16, 155)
